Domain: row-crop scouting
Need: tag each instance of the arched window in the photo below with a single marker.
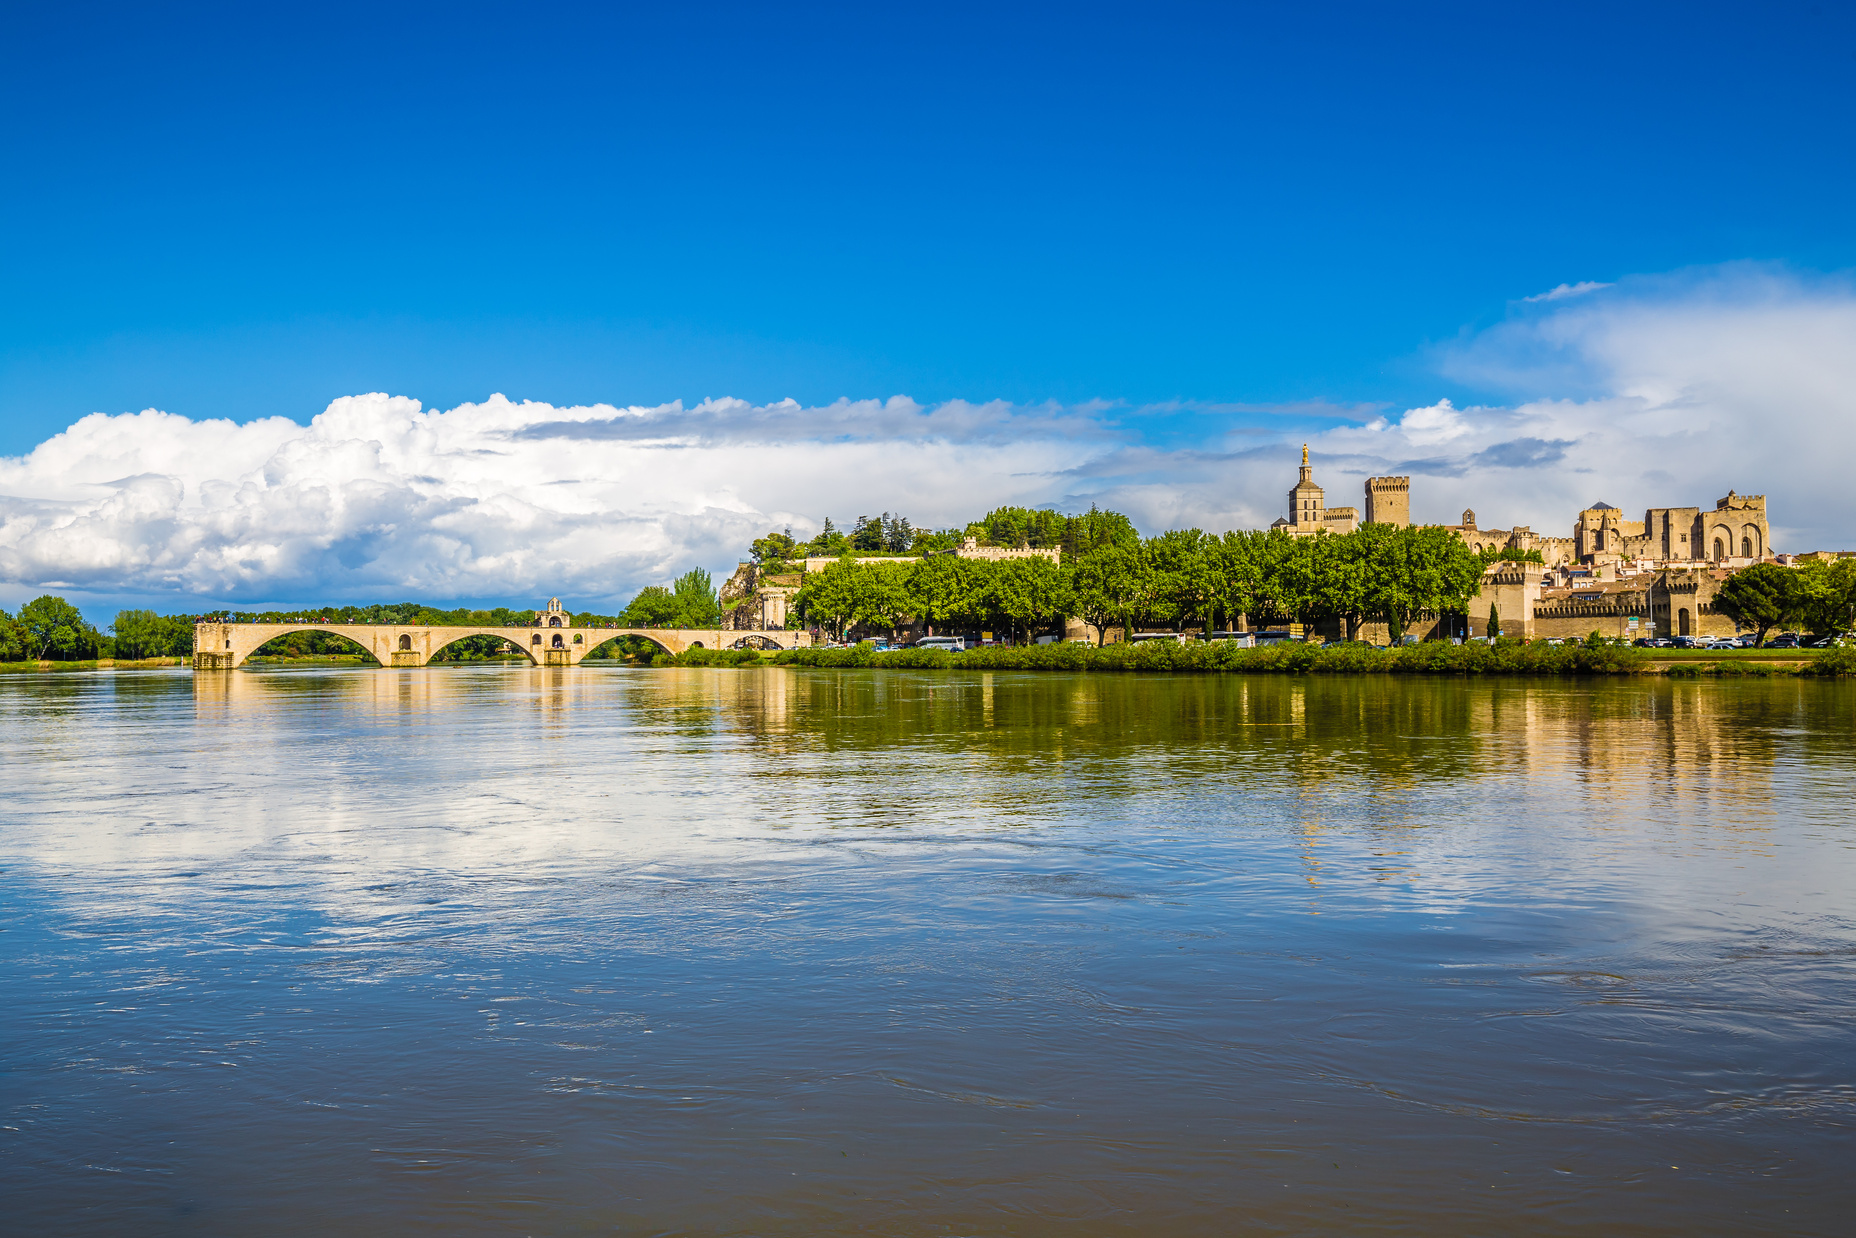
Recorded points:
(1720, 550)
(1682, 622)
(579, 639)
(555, 622)
(558, 642)
(405, 641)
(1746, 547)
(535, 639)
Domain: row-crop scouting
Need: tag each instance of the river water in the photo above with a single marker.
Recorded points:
(498, 950)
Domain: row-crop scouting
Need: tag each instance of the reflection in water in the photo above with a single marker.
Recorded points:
(492, 950)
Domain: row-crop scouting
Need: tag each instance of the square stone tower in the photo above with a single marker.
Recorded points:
(1388, 501)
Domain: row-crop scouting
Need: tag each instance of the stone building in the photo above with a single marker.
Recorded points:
(1309, 513)
(1388, 501)
(970, 548)
(755, 600)
(554, 616)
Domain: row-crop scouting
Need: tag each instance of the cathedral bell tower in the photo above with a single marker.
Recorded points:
(1307, 502)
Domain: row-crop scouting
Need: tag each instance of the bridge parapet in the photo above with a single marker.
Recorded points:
(225, 646)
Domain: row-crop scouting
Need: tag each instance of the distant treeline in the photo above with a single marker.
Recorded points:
(1014, 527)
(51, 629)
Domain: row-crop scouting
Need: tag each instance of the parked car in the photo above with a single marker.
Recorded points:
(1784, 640)
(1176, 637)
(1276, 637)
(954, 644)
(1830, 642)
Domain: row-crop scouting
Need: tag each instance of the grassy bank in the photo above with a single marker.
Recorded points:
(92, 664)
(1429, 659)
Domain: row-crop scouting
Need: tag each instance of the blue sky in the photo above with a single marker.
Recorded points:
(251, 210)
(1211, 218)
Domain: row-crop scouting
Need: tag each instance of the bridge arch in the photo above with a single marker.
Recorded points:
(452, 640)
(641, 634)
(330, 629)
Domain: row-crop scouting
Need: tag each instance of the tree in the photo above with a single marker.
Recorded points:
(145, 633)
(54, 627)
(831, 595)
(1495, 623)
(1828, 596)
(1096, 528)
(1185, 574)
(1110, 583)
(898, 534)
(881, 594)
(1029, 592)
(1417, 570)
(13, 639)
(867, 535)
(696, 601)
(775, 547)
(653, 607)
(1020, 527)
(940, 589)
(1760, 597)
(830, 541)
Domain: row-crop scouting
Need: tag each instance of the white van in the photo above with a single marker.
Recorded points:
(953, 644)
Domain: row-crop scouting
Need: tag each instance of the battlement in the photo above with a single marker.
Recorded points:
(1388, 501)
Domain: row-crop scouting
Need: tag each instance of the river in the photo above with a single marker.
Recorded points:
(498, 950)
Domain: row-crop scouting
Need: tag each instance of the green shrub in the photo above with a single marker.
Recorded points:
(709, 657)
(1294, 658)
(1832, 662)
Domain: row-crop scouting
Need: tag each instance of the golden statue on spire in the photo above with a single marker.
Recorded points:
(1304, 455)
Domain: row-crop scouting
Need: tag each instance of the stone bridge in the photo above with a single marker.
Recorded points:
(223, 646)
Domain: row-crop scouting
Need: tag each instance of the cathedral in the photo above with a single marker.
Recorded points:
(1735, 533)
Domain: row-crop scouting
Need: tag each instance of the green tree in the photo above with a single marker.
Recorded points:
(1828, 596)
(144, 634)
(653, 607)
(56, 630)
(1029, 593)
(13, 639)
(696, 601)
(830, 541)
(1761, 597)
(1494, 628)
(774, 548)
(1109, 584)
(1413, 571)
(881, 596)
(940, 589)
(830, 596)
(1020, 527)
(1185, 575)
(1096, 528)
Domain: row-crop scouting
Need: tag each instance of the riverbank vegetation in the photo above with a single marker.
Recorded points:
(1504, 657)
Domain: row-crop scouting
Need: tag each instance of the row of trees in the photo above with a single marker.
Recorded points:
(1183, 578)
(1015, 527)
(1820, 597)
(51, 629)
